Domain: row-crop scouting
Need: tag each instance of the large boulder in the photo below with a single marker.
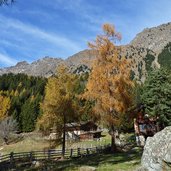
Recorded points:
(157, 151)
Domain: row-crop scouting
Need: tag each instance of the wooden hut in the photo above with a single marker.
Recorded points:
(83, 131)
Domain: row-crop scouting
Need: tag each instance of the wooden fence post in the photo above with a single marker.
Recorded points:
(78, 152)
(49, 154)
(71, 152)
(96, 149)
(11, 159)
(31, 156)
(87, 151)
(101, 149)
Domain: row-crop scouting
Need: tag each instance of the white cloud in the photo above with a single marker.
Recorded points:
(38, 33)
(6, 60)
(80, 19)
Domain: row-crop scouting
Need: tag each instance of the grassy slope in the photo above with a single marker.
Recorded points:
(117, 162)
(34, 142)
(29, 142)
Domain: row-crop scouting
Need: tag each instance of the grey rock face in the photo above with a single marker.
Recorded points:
(47, 66)
(84, 57)
(157, 151)
(43, 67)
(155, 38)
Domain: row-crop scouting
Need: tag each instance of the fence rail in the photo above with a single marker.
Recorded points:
(53, 154)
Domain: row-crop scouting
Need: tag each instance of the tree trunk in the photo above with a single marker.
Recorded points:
(63, 141)
(5, 140)
(113, 144)
(113, 138)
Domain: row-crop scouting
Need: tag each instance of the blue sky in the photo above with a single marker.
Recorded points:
(30, 30)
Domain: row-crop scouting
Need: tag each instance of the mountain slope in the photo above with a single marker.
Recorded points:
(155, 38)
(147, 50)
(43, 67)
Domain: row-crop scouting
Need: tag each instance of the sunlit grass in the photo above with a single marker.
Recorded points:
(125, 161)
(26, 144)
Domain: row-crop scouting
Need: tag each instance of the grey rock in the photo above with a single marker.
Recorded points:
(36, 164)
(157, 151)
(141, 169)
(87, 168)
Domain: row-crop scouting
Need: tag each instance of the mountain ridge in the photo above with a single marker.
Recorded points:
(143, 50)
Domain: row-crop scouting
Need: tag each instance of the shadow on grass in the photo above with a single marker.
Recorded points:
(93, 160)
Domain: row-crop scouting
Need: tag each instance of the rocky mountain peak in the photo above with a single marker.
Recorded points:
(155, 38)
(22, 63)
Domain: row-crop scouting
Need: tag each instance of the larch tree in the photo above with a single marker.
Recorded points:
(109, 84)
(59, 105)
(5, 104)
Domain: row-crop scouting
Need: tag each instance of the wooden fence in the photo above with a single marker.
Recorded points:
(9, 160)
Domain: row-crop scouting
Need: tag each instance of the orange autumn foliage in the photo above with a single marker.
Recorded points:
(109, 83)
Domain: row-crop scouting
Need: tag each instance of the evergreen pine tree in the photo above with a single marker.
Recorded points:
(156, 95)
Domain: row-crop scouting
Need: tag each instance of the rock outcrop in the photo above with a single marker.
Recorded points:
(44, 67)
(155, 38)
(157, 151)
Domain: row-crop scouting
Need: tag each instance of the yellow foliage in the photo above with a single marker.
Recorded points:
(4, 106)
(58, 101)
(16, 93)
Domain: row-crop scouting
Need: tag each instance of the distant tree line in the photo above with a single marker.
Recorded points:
(20, 97)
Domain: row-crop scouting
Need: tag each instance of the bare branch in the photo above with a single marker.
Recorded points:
(6, 2)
